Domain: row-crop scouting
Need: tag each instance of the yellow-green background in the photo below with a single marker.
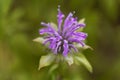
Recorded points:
(19, 25)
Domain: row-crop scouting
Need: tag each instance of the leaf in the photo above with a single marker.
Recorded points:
(55, 66)
(82, 60)
(87, 47)
(39, 39)
(69, 60)
(78, 45)
(81, 20)
(54, 25)
(46, 60)
(84, 47)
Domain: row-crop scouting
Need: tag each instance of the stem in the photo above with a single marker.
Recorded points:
(60, 70)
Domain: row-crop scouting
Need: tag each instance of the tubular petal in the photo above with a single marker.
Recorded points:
(65, 46)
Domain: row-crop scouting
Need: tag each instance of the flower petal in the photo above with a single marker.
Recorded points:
(67, 20)
(57, 47)
(60, 17)
(72, 21)
(77, 41)
(48, 40)
(77, 26)
(66, 48)
(52, 44)
(49, 30)
(73, 29)
(80, 35)
(73, 47)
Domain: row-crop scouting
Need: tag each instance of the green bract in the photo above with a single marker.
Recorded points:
(78, 59)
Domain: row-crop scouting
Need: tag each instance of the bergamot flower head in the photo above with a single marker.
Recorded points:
(62, 40)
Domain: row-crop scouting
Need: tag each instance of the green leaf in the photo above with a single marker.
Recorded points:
(82, 60)
(55, 66)
(39, 39)
(54, 25)
(81, 20)
(87, 47)
(46, 60)
(69, 60)
(84, 47)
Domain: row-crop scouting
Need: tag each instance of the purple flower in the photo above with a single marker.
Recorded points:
(62, 40)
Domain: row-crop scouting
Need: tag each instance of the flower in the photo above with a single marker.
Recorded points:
(64, 38)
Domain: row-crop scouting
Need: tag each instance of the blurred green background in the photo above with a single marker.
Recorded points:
(19, 25)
